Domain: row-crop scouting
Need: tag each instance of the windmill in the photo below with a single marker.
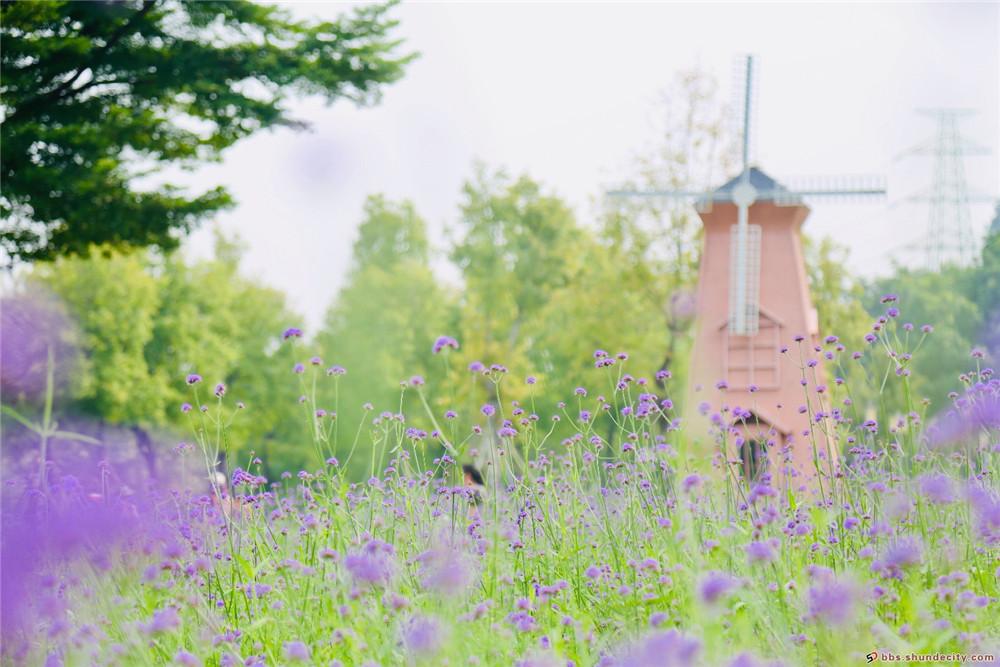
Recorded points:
(753, 292)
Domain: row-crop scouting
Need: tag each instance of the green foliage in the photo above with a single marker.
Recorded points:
(147, 322)
(838, 298)
(515, 246)
(940, 299)
(96, 94)
(986, 287)
(389, 235)
(114, 300)
(650, 563)
(656, 241)
(835, 292)
(385, 319)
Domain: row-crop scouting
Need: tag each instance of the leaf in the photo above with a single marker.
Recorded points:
(245, 565)
(67, 435)
(16, 415)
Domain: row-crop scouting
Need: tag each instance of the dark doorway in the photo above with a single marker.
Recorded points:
(753, 454)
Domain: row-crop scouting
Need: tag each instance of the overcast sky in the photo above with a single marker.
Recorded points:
(565, 92)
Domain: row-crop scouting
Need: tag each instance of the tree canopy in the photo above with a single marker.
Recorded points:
(97, 94)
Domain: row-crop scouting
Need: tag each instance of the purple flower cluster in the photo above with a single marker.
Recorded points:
(443, 343)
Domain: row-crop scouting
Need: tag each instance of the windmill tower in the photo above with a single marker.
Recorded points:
(753, 299)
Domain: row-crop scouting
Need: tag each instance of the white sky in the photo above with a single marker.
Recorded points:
(565, 91)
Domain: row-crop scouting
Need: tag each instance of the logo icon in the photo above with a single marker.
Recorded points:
(872, 657)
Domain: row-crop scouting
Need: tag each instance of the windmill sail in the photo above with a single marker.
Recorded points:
(744, 287)
(744, 267)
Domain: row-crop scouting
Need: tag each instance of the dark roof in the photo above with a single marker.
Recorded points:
(767, 188)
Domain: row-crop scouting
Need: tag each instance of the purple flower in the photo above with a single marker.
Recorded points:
(937, 488)
(663, 649)
(986, 508)
(833, 604)
(444, 342)
(422, 635)
(477, 367)
(759, 552)
(487, 409)
(373, 566)
(691, 481)
(187, 659)
(530, 379)
(298, 368)
(296, 652)
(869, 338)
(220, 390)
(185, 407)
(747, 660)
(291, 332)
(336, 370)
(722, 386)
(194, 378)
(977, 354)
(904, 553)
(714, 585)
(417, 381)
(445, 572)
(164, 620)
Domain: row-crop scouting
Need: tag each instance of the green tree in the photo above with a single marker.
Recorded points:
(389, 235)
(839, 299)
(941, 300)
(592, 312)
(96, 94)
(149, 321)
(987, 287)
(836, 294)
(383, 323)
(514, 246)
(656, 241)
(542, 294)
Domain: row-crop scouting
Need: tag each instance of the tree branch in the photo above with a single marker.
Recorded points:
(60, 92)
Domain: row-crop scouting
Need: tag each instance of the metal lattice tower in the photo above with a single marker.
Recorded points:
(949, 238)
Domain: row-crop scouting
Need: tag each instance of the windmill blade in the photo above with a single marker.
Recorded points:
(744, 280)
(743, 119)
(669, 194)
(833, 189)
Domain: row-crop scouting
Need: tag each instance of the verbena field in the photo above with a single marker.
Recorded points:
(619, 545)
